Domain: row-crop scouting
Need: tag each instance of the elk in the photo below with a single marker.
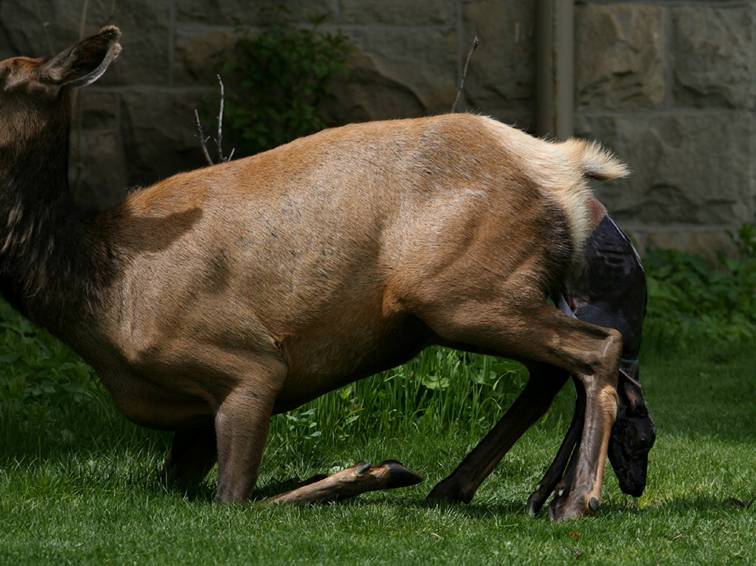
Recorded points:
(215, 298)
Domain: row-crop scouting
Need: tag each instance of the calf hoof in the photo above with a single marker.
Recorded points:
(449, 492)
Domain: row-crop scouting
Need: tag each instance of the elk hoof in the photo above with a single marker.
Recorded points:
(399, 475)
(566, 508)
(362, 468)
(594, 504)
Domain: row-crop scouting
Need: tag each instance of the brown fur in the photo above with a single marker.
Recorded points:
(222, 295)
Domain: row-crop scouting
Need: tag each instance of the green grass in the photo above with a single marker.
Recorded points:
(77, 482)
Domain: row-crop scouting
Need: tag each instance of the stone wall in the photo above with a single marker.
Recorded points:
(669, 85)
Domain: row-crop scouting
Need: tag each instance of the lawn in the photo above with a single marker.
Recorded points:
(77, 482)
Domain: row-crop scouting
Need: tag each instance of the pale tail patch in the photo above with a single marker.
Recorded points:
(595, 161)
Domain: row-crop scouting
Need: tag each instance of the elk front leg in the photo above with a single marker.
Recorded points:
(241, 427)
(192, 454)
(532, 403)
(543, 334)
(350, 483)
(556, 470)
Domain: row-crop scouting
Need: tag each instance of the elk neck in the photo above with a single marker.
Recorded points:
(52, 264)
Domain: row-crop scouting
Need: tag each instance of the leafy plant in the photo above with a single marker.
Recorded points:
(689, 299)
(277, 82)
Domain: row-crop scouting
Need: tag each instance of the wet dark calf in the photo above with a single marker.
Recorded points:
(609, 290)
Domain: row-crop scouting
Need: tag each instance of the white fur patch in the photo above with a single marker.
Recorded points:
(557, 171)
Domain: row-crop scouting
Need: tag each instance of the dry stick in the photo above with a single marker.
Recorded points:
(219, 139)
(461, 88)
(202, 138)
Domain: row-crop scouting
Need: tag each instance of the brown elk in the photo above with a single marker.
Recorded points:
(218, 297)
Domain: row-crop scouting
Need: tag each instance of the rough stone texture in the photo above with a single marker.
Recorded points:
(620, 56)
(369, 93)
(42, 28)
(98, 173)
(258, 13)
(706, 242)
(421, 63)
(98, 163)
(715, 65)
(501, 78)
(671, 86)
(153, 121)
(686, 167)
(398, 12)
(198, 54)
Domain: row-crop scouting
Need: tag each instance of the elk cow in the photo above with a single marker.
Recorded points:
(218, 297)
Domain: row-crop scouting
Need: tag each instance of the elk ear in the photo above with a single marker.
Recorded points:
(85, 62)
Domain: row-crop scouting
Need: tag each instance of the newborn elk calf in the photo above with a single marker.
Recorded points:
(216, 298)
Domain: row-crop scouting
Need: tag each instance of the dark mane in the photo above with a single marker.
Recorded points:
(49, 260)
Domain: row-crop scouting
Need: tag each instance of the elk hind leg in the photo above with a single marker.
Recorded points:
(192, 455)
(544, 335)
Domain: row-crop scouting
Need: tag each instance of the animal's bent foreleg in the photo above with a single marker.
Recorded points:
(556, 470)
(532, 403)
(351, 482)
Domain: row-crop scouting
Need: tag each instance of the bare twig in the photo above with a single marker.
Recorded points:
(461, 89)
(202, 138)
(219, 139)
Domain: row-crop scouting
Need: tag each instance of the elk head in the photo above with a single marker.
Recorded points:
(33, 91)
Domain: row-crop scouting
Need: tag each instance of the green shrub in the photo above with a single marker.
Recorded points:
(277, 81)
(689, 300)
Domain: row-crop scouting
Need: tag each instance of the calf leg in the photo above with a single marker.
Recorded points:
(191, 456)
(544, 383)
(544, 335)
(567, 449)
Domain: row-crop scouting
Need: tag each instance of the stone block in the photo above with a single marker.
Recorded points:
(200, 54)
(414, 68)
(707, 243)
(98, 108)
(158, 132)
(98, 170)
(501, 78)
(714, 56)
(43, 28)
(259, 13)
(398, 12)
(620, 56)
(691, 167)
(367, 93)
